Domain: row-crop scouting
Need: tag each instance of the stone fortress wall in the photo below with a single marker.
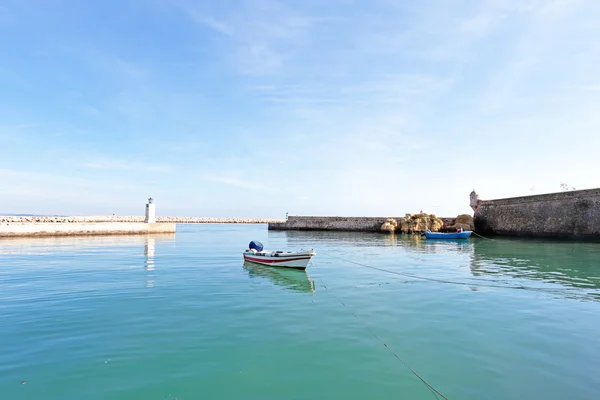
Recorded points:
(569, 214)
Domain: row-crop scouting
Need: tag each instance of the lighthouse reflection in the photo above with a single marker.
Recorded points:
(149, 249)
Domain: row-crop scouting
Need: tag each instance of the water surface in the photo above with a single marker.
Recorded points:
(160, 317)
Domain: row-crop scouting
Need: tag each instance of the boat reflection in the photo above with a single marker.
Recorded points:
(291, 279)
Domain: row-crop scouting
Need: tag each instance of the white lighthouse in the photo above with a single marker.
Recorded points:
(150, 212)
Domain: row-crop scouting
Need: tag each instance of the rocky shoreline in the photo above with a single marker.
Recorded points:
(114, 218)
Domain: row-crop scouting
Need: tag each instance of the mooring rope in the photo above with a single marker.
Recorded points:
(519, 287)
(483, 237)
(427, 384)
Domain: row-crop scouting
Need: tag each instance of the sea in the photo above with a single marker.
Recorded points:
(374, 316)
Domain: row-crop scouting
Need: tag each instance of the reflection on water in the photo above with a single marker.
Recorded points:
(291, 279)
(308, 238)
(574, 264)
(51, 244)
(45, 246)
(149, 253)
(415, 243)
(149, 249)
(525, 262)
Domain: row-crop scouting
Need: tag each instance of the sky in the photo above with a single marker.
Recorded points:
(255, 108)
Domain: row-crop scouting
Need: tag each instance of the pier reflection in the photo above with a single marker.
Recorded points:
(413, 243)
(547, 264)
(295, 280)
(129, 251)
(573, 264)
(53, 244)
(308, 238)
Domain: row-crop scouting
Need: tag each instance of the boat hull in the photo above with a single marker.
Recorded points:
(284, 260)
(452, 235)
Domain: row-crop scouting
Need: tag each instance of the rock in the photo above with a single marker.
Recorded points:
(419, 223)
(389, 225)
(464, 221)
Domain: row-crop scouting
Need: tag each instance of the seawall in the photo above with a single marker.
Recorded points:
(570, 214)
(348, 224)
(117, 218)
(33, 229)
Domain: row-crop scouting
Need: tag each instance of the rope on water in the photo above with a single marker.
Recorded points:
(519, 287)
(427, 384)
(483, 237)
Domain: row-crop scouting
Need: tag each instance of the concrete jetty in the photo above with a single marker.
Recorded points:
(23, 226)
(133, 219)
(82, 226)
(79, 229)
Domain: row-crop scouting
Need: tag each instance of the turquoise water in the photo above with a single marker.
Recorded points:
(180, 316)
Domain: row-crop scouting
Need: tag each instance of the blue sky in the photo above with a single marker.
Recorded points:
(260, 107)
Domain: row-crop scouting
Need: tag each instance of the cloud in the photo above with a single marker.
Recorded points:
(62, 188)
(261, 35)
(536, 47)
(258, 59)
(233, 179)
(479, 25)
(128, 166)
(592, 88)
(217, 26)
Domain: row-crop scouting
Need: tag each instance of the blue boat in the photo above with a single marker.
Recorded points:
(450, 235)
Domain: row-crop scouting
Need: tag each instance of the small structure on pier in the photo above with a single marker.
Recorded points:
(474, 200)
(150, 212)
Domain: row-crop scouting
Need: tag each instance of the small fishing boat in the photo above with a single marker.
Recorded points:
(449, 235)
(288, 259)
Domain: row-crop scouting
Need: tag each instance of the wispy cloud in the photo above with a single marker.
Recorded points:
(118, 165)
(22, 191)
(592, 88)
(217, 26)
(534, 48)
(233, 179)
(264, 34)
(7, 16)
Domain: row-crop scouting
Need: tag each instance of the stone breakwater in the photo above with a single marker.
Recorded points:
(38, 229)
(415, 223)
(131, 219)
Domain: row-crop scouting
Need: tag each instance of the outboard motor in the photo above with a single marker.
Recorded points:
(256, 245)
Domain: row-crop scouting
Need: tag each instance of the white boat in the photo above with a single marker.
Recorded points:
(286, 259)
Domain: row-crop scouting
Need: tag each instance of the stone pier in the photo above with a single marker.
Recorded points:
(73, 226)
(81, 229)
(347, 224)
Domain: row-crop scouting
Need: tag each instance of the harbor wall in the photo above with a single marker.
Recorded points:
(570, 214)
(80, 229)
(117, 218)
(348, 224)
